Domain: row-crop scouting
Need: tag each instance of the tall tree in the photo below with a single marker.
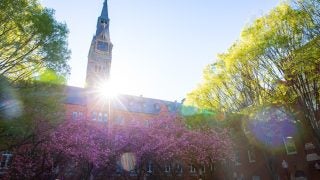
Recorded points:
(275, 61)
(31, 40)
(33, 51)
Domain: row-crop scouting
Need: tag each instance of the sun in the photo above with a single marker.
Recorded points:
(107, 89)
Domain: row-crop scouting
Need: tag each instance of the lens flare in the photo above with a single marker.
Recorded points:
(128, 161)
(270, 126)
(107, 90)
(10, 105)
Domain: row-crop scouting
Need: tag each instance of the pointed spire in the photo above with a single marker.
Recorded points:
(104, 12)
(103, 21)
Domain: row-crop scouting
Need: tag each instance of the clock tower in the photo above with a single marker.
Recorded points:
(100, 53)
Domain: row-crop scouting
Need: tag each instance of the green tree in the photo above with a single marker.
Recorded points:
(33, 67)
(28, 115)
(31, 40)
(275, 61)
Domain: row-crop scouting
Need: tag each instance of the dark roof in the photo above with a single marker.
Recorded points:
(75, 95)
(141, 104)
(138, 104)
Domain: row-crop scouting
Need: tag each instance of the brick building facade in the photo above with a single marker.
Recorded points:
(296, 156)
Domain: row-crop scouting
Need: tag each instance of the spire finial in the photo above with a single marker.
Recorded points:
(104, 12)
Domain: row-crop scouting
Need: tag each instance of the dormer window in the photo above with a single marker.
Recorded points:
(157, 106)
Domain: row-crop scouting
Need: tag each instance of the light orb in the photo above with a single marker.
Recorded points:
(107, 90)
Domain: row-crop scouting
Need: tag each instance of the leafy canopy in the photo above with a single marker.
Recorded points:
(31, 40)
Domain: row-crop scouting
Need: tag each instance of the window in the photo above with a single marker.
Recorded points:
(105, 117)
(179, 168)
(289, 145)
(5, 160)
(144, 105)
(202, 169)
(167, 168)
(100, 117)
(77, 115)
(149, 167)
(102, 46)
(157, 106)
(94, 116)
(237, 158)
(251, 155)
(192, 168)
(212, 167)
(74, 115)
(170, 107)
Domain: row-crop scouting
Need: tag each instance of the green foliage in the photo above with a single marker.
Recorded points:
(274, 62)
(33, 57)
(37, 109)
(31, 40)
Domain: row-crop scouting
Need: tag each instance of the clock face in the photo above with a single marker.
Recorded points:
(102, 46)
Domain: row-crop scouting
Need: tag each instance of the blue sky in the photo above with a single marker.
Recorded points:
(160, 46)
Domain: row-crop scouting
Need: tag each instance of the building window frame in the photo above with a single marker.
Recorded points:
(94, 115)
(179, 168)
(192, 168)
(202, 170)
(237, 158)
(105, 117)
(5, 160)
(100, 116)
(289, 145)
(251, 155)
(149, 167)
(167, 168)
(74, 115)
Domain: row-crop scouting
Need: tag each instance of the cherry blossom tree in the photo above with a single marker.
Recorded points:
(84, 149)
